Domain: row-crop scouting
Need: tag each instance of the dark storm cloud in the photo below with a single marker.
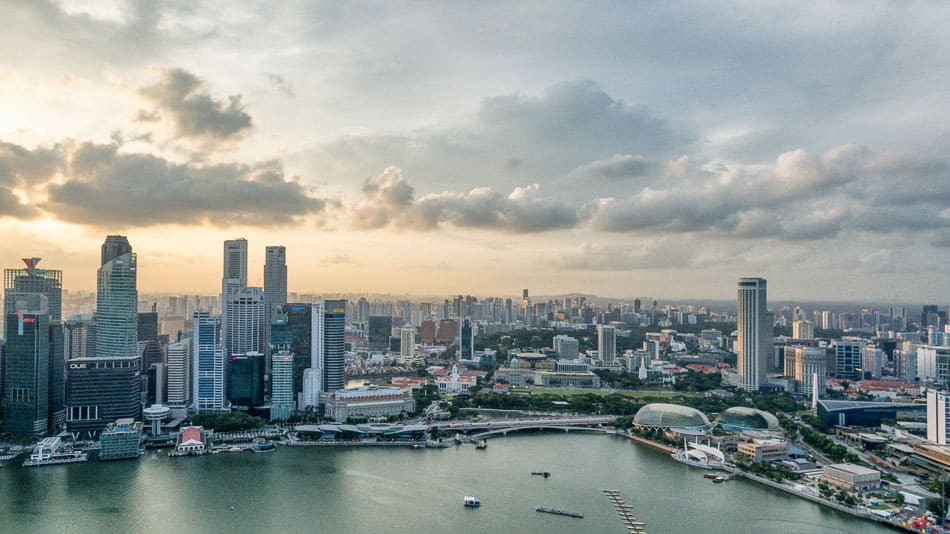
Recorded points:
(19, 165)
(184, 99)
(390, 202)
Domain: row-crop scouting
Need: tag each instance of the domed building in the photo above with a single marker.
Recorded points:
(739, 418)
(662, 416)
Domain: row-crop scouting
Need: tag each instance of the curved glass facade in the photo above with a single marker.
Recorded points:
(739, 418)
(660, 415)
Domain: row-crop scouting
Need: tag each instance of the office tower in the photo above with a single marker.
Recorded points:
(57, 377)
(810, 361)
(117, 301)
(243, 326)
(566, 347)
(872, 361)
(848, 357)
(179, 374)
(362, 310)
(938, 416)
(275, 279)
(33, 280)
(755, 333)
(525, 307)
(234, 277)
(282, 385)
(466, 339)
(148, 325)
(380, 328)
(928, 315)
(637, 305)
(300, 323)
(207, 364)
(407, 345)
(26, 373)
(607, 343)
(100, 390)
(803, 330)
(246, 379)
(79, 340)
(327, 357)
(275, 286)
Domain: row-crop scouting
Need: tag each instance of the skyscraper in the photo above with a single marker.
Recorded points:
(246, 379)
(379, 329)
(234, 276)
(810, 361)
(275, 279)
(299, 323)
(26, 372)
(207, 364)
(243, 325)
(607, 343)
(525, 307)
(33, 280)
(106, 385)
(179, 374)
(466, 339)
(407, 345)
(327, 357)
(755, 334)
(848, 357)
(117, 300)
(282, 385)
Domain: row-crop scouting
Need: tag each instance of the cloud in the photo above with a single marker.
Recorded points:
(100, 184)
(184, 99)
(539, 135)
(616, 167)
(280, 84)
(389, 201)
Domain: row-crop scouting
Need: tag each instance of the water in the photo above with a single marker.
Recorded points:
(370, 490)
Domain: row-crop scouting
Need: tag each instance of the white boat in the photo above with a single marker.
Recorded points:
(471, 502)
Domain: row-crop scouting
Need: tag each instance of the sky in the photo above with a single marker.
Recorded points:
(620, 149)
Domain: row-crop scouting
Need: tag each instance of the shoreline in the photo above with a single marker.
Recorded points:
(782, 487)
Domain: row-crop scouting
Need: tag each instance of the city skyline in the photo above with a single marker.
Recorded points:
(802, 146)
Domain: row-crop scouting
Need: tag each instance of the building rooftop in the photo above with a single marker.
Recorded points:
(854, 469)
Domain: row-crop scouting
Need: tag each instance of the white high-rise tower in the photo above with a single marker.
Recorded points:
(755, 334)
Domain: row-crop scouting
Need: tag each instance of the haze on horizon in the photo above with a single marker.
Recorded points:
(617, 149)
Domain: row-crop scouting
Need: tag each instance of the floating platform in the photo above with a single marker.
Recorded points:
(558, 511)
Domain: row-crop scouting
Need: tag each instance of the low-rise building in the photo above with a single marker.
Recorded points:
(368, 401)
(192, 440)
(764, 450)
(455, 382)
(121, 440)
(567, 379)
(851, 477)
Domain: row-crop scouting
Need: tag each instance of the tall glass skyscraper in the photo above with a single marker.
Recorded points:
(106, 385)
(117, 300)
(208, 362)
(244, 323)
(32, 289)
(234, 276)
(26, 370)
(275, 278)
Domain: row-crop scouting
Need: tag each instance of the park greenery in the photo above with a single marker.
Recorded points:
(772, 470)
(818, 440)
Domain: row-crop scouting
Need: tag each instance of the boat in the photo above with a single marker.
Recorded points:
(719, 480)
(235, 449)
(263, 446)
(557, 511)
(710, 475)
(482, 444)
(544, 474)
(471, 502)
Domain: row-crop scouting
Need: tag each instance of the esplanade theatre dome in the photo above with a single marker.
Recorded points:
(666, 416)
(739, 418)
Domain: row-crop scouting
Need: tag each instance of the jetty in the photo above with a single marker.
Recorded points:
(625, 512)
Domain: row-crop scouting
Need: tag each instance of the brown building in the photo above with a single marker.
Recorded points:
(448, 329)
(428, 332)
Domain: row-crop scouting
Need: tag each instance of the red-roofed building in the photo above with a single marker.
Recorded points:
(192, 439)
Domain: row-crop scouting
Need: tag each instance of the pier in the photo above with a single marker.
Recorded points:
(558, 511)
(625, 511)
